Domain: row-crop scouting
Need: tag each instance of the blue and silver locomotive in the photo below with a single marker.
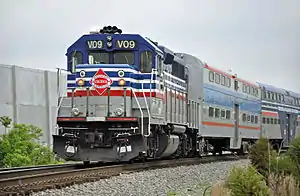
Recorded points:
(130, 98)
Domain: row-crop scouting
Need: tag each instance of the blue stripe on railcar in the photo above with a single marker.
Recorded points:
(71, 76)
(232, 93)
(228, 98)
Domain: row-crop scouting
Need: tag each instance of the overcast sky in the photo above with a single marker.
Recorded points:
(257, 39)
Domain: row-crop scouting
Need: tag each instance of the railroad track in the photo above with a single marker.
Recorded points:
(22, 182)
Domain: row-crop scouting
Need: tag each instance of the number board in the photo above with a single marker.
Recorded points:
(125, 44)
(94, 44)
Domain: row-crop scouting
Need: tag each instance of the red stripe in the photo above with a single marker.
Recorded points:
(229, 75)
(218, 124)
(121, 119)
(83, 93)
(266, 113)
(217, 71)
(70, 118)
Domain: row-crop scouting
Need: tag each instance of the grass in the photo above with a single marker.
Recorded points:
(279, 186)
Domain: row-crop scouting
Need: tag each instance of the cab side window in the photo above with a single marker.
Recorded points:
(159, 65)
(75, 58)
(146, 62)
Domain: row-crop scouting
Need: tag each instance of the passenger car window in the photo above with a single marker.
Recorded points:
(256, 119)
(244, 117)
(223, 80)
(217, 112)
(223, 114)
(228, 114)
(211, 112)
(211, 76)
(217, 78)
(228, 84)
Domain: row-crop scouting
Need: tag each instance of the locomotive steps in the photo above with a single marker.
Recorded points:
(26, 183)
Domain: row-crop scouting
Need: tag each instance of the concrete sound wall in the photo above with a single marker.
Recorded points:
(29, 96)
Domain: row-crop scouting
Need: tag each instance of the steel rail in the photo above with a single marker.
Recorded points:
(56, 179)
(18, 172)
(34, 167)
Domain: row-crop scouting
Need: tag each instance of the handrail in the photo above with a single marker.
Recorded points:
(141, 111)
(149, 117)
(60, 98)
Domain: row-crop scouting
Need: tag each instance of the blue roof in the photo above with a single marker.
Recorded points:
(271, 88)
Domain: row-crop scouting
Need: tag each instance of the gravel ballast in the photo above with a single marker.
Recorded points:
(183, 180)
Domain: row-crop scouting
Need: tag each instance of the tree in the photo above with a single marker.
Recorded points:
(261, 155)
(21, 147)
(294, 154)
(5, 121)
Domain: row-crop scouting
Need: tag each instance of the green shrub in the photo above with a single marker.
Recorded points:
(262, 155)
(282, 165)
(294, 154)
(21, 147)
(243, 182)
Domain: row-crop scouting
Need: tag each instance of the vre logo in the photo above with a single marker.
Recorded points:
(101, 81)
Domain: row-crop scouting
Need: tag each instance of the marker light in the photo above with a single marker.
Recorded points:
(121, 73)
(121, 82)
(80, 82)
(82, 73)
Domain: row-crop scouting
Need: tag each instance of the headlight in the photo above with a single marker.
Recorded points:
(109, 44)
(82, 73)
(121, 82)
(75, 111)
(109, 38)
(119, 112)
(80, 82)
(121, 73)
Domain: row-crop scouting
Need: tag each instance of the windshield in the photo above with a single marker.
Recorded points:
(98, 58)
(119, 57)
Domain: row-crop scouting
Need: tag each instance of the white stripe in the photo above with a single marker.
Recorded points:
(280, 104)
(134, 81)
(269, 111)
(271, 107)
(136, 90)
(114, 70)
(126, 79)
(173, 91)
(282, 109)
(175, 85)
(168, 74)
(106, 69)
(120, 88)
